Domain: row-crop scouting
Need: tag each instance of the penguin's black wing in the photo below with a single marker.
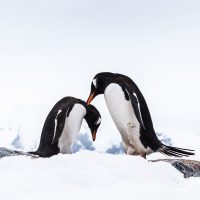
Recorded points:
(130, 95)
(60, 123)
(148, 135)
(136, 107)
(133, 89)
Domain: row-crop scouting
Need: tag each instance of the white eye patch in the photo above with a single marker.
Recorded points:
(99, 121)
(95, 82)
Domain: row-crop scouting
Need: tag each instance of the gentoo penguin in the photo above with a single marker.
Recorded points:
(62, 126)
(131, 115)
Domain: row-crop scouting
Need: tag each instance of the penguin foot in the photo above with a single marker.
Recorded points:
(34, 156)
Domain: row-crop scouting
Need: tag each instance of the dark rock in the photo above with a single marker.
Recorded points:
(189, 168)
(4, 152)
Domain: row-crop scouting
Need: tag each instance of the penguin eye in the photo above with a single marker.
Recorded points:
(98, 121)
(94, 82)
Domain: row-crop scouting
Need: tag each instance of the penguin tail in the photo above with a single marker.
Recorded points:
(175, 151)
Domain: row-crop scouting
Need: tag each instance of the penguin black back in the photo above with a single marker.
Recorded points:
(55, 125)
(120, 85)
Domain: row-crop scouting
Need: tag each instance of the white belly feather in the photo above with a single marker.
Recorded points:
(71, 129)
(124, 118)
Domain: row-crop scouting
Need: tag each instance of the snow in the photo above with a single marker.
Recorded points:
(92, 175)
(94, 170)
(156, 44)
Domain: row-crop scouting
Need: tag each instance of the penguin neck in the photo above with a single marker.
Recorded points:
(104, 86)
(110, 85)
(88, 116)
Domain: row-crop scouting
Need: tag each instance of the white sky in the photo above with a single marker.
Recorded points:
(50, 49)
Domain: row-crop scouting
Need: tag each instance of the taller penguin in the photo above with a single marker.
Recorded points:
(131, 115)
(62, 126)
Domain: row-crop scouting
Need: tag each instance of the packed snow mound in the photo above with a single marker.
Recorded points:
(90, 175)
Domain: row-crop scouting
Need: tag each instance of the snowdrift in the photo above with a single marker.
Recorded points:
(90, 175)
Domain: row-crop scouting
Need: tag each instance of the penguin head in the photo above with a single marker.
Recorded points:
(99, 84)
(93, 119)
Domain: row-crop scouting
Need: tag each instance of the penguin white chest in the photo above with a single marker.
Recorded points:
(71, 128)
(123, 115)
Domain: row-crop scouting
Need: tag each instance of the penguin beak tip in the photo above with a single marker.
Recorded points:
(90, 98)
(94, 136)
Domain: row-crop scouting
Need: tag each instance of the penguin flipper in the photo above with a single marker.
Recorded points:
(136, 107)
(59, 125)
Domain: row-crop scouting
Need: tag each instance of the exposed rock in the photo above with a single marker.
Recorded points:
(189, 168)
(4, 152)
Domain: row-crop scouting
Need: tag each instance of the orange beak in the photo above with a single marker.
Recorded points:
(94, 135)
(91, 97)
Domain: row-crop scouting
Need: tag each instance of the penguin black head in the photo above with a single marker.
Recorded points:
(93, 119)
(99, 84)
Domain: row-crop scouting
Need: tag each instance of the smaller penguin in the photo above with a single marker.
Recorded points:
(62, 126)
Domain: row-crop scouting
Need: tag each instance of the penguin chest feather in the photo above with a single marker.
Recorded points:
(124, 117)
(71, 128)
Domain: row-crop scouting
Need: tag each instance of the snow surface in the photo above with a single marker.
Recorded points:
(91, 175)
(51, 50)
(95, 170)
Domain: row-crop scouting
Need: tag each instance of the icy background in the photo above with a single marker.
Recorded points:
(51, 49)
